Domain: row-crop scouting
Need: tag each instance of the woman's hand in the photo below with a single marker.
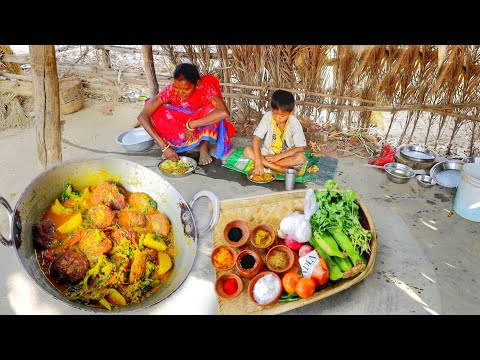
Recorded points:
(190, 135)
(170, 154)
(259, 168)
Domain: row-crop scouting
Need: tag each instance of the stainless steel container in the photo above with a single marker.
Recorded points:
(447, 173)
(399, 173)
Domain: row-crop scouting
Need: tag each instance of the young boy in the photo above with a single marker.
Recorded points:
(283, 138)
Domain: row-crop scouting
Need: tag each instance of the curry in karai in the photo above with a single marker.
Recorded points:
(104, 246)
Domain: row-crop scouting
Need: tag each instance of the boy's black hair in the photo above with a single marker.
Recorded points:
(186, 71)
(282, 100)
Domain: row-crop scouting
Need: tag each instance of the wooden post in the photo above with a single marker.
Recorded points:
(107, 64)
(46, 104)
(149, 67)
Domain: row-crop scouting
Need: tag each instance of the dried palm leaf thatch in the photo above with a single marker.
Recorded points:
(250, 69)
(15, 115)
(224, 73)
(449, 83)
(11, 67)
(474, 125)
(347, 59)
(313, 72)
(344, 82)
(279, 62)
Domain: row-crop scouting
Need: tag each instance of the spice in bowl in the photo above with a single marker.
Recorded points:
(249, 263)
(263, 236)
(235, 234)
(265, 288)
(280, 258)
(229, 285)
(223, 258)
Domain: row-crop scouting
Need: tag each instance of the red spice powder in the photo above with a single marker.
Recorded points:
(230, 286)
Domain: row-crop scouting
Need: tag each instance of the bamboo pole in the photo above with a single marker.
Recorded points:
(107, 63)
(149, 67)
(47, 104)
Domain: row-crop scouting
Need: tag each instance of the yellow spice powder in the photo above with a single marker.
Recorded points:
(262, 238)
(223, 259)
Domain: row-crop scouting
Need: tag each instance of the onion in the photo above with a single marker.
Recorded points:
(304, 250)
(292, 243)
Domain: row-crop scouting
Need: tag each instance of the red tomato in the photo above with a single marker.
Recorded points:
(321, 273)
(305, 287)
(289, 281)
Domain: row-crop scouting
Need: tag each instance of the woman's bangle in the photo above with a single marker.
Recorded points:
(165, 148)
(188, 127)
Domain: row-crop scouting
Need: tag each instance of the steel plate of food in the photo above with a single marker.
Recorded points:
(183, 167)
(267, 176)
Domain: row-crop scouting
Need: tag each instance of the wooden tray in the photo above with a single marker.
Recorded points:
(271, 209)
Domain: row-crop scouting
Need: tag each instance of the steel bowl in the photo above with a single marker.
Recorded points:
(425, 181)
(447, 173)
(472, 159)
(399, 173)
(418, 153)
(135, 140)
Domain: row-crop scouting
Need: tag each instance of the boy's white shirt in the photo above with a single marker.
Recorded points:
(294, 135)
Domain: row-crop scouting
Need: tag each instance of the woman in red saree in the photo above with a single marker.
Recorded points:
(188, 113)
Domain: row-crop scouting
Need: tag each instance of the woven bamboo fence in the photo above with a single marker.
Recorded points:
(338, 86)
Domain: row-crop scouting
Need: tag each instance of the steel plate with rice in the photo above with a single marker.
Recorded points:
(267, 176)
(181, 168)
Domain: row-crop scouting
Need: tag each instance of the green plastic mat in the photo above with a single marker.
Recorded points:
(316, 169)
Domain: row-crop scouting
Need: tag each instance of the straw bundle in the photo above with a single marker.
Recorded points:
(14, 115)
(11, 67)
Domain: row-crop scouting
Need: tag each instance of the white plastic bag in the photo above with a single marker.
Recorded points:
(298, 225)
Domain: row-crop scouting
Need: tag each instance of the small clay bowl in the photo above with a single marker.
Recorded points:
(289, 254)
(266, 228)
(242, 225)
(252, 283)
(222, 279)
(255, 269)
(216, 250)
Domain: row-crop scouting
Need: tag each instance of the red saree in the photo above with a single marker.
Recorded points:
(169, 119)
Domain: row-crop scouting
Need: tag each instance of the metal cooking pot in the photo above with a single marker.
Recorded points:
(48, 186)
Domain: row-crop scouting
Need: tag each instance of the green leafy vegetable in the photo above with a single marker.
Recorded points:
(153, 204)
(339, 209)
